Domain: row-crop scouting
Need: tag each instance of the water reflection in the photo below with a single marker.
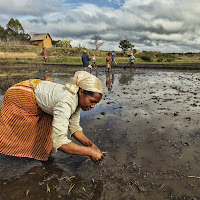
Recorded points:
(48, 181)
(8, 81)
(138, 165)
(127, 77)
(47, 75)
(109, 80)
(11, 75)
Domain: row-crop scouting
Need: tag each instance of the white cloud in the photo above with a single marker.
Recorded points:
(165, 37)
(150, 24)
(169, 26)
(29, 7)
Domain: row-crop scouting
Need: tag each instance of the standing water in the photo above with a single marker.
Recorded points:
(147, 125)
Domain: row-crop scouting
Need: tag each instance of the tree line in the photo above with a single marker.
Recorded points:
(125, 45)
(13, 32)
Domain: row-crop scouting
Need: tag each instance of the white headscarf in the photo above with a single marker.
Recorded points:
(85, 81)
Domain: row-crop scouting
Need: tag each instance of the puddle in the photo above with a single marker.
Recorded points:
(147, 123)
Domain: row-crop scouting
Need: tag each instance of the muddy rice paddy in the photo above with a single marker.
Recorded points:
(147, 125)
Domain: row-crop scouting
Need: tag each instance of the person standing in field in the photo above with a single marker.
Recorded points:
(85, 60)
(36, 116)
(93, 61)
(44, 53)
(113, 57)
(132, 60)
(108, 61)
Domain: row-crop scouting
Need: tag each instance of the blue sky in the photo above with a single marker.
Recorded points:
(115, 4)
(152, 25)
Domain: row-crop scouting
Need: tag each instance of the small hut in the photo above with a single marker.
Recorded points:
(41, 39)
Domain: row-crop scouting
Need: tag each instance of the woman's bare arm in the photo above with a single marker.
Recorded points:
(80, 136)
(73, 148)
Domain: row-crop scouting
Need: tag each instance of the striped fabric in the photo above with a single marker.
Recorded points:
(25, 130)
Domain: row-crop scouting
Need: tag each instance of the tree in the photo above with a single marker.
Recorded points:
(125, 45)
(3, 34)
(25, 36)
(97, 42)
(14, 29)
(14, 32)
(63, 43)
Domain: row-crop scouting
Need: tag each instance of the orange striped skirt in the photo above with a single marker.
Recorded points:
(25, 130)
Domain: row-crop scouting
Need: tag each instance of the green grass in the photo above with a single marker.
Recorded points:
(74, 60)
(72, 56)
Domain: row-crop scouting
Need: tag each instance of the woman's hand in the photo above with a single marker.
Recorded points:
(95, 155)
(93, 146)
(73, 148)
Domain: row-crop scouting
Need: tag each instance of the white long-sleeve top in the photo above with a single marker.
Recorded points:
(56, 100)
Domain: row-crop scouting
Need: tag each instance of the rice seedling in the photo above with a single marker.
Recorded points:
(27, 192)
(194, 177)
(70, 188)
(84, 189)
(88, 159)
(67, 178)
(48, 188)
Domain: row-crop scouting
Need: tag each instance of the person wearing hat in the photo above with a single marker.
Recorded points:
(36, 116)
(108, 61)
(93, 61)
(85, 60)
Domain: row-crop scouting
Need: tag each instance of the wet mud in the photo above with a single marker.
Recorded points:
(147, 125)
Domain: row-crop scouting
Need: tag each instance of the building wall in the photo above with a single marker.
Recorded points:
(47, 41)
(44, 43)
(39, 43)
